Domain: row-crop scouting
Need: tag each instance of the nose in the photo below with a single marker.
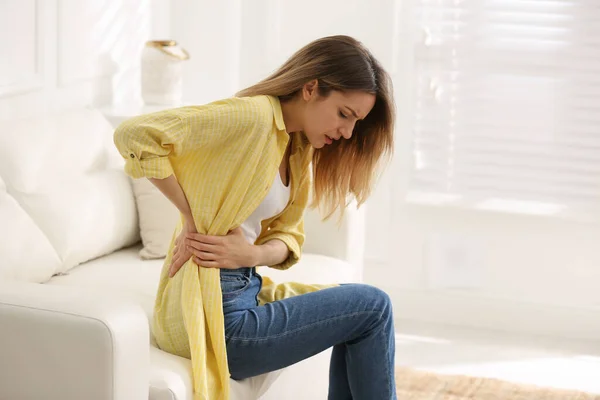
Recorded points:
(346, 131)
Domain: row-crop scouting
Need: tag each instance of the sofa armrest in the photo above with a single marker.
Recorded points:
(60, 342)
(344, 241)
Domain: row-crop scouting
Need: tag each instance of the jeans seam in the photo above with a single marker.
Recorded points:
(389, 381)
(301, 328)
(387, 353)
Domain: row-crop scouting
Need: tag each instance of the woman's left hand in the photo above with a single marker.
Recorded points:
(228, 252)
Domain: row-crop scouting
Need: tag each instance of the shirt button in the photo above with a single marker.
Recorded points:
(132, 155)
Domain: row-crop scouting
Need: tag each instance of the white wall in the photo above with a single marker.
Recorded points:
(72, 53)
(210, 32)
(235, 43)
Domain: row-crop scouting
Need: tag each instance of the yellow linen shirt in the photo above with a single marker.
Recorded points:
(225, 156)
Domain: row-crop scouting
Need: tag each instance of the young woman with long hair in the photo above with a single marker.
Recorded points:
(241, 171)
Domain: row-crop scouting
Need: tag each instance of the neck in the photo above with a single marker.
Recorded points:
(292, 115)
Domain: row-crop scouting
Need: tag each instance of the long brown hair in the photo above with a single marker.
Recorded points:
(346, 166)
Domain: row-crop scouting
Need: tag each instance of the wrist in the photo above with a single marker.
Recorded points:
(254, 255)
(189, 224)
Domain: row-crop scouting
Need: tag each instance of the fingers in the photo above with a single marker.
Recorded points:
(174, 268)
(207, 264)
(206, 250)
(204, 238)
(202, 258)
(204, 255)
(176, 262)
(193, 244)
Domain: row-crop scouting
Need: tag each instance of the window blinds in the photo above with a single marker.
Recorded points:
(507, 105)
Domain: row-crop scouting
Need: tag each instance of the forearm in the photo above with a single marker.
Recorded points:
(172, 190)
(272, 252)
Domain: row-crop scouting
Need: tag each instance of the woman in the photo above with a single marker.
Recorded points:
(239, 170)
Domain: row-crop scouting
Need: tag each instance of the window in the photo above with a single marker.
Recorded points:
(507, 105)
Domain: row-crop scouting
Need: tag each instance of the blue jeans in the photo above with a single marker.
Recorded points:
(355, 319)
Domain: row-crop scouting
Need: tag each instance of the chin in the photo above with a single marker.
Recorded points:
(317, 145)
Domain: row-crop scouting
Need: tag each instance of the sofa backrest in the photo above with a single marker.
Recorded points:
(64, 198)
(343, 239)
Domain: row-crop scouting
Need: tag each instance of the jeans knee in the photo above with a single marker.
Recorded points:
(379, 299)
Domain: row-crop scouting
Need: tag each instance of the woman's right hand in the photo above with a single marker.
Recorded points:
(181, 253)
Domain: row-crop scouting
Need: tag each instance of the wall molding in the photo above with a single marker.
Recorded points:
(481, 312)
(34, 81)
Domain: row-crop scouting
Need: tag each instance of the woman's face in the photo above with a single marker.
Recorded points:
(333, 117)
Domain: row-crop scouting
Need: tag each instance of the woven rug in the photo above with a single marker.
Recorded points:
(417, 385)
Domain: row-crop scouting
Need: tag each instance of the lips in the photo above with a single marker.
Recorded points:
(328, 139)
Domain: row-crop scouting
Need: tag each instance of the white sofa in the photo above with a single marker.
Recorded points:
(75, 297)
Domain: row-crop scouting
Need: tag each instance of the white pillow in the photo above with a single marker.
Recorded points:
(158, 218)
(25, 253)
(66, 175)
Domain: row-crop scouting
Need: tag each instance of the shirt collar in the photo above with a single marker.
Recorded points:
(277, 113)
(297, 137)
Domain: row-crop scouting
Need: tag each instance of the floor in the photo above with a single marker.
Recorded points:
(540, 361)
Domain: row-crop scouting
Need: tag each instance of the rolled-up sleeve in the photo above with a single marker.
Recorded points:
(146, 143)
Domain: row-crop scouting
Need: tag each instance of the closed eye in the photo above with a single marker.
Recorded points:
(343, 115)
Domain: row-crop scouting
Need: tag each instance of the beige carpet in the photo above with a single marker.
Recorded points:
(416, 385)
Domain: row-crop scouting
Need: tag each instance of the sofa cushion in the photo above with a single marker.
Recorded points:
(121, 273)
(65, 173)
(25, 253)
(171, 378)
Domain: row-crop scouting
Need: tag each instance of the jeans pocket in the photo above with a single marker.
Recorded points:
(233, 285)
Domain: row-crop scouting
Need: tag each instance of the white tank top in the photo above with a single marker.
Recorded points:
(273, 204)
